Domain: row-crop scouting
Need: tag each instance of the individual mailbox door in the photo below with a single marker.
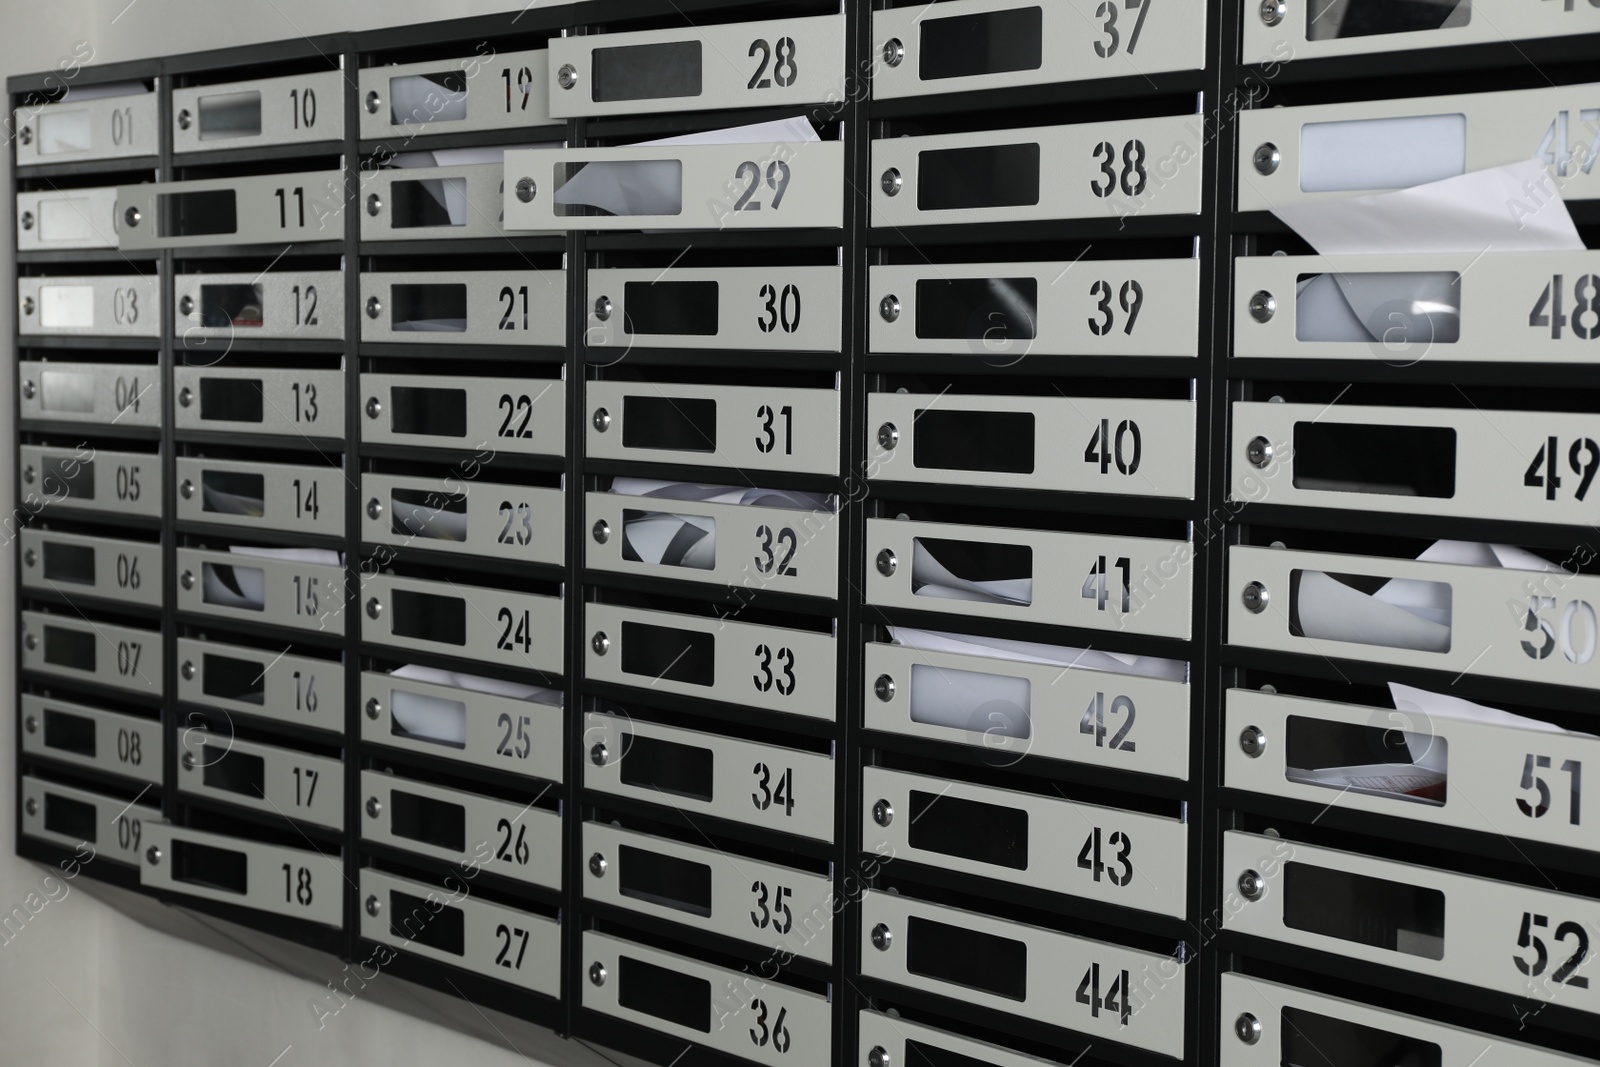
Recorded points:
(1401, 309)
(110, 394)
(1273, 1024)
(508, 945)
(768, 667)
(1129, 446)
(75, 564)
(1095, 581)
(76, 130)
(699, 68)
(897, 1040)
(1500, 778)
(514, 522)
(1012, 708)
(789, 430)
(112, 827)
(66, 218)
(480, 307)
(525, 416)
(486, 91)
(1097, 170)
(303, 403)
(107, 305)
(74, 647)
(285, 881)
(932, 50)
(277, 590)
(1466, 462)
(690, 1000)
(512, 840)
(761, 186)
(775, 907)
(1005, 312)
(411, 203)
(299, 306)
(493, 625)
(519, 736)
(1437, 923)
(128, 483)
(787, 550)
(1026, 970)
(298, 109)
(1295, 155)
(1454, 617)
(759, 785)
(273, 496)
(763, 309)
(1084, 850)
(266, 778)
(106, 741)
(302, 690)
(1306, 32)
(255, 209)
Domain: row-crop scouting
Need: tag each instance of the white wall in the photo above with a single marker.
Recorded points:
(84, 985)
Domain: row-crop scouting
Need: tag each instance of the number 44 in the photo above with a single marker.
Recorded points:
(1116, 998)
(1556, 148)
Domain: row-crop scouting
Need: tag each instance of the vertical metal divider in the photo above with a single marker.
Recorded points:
(15, 503)
(352, 511)
(167, 364)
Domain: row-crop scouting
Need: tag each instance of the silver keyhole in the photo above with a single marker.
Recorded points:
(185, 397)
(374, 807)
(374, 307)
(374, 508)
(29, 390)
(27, 220)
(889, 308)
(603, 308)
(374, 204)
(374, 905)
(567, 76)
(597, 973)
(1266, 158)
(601, 420)
(186, 306)
(1255, 597)
(187, 670)
(881, 937)
(894, 53)
(152, 856)
(597, 865)
(374, 407)
(600, 643)
(888, 436)
(526, 190)
(184, 119)
(891, 182)
(884, 688)
(878, 1057)
(1247, 1028)
(374, 707)
(1263, 305)
(27, 305)
(1273, 11)
(186, 579)
(1252, 885)
(374, 608)
(374, 101)
(1252, 741)
(887, 562)
(1259, 453)
(599, 753)
(133, 216)
(883, 813)
(602, 532)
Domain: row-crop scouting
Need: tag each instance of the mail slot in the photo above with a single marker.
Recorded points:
(267, 778)
(120, 394)
(66, 218)
(1005, 312)
(260, 400)
(781, 908)
(90, 479)
(729, 1011)
(1093, 171)
(764, 185)
(1016, 700)
(1401, 309)
(106, 741)
(1293, 155)
(276, 587)
(85, 126)
(513, 840)
(1468, 462)
(437, 96)
(412, 203)
(1131, 447)
(1346, 28)
(273, 496)
(465, 307)
(1272, 1024)
(257, 209)
(273, 683)
(1095, 581)
(771, 63)
(1122, 994)
(897, 1040)
(1084, 850)
(741, 781)
(524, 416)
(79, 819)
(773, 668)
(745, 427)
(491, 625)
(296, 110)
(75, 565)
(1432, 922)
(303, 306)
(507, 726)
(970, 45)
(764, 309)
(512, 522)
(769, 539)
(87, 650)
(1460, 608)
(295, 882)
(105, 305)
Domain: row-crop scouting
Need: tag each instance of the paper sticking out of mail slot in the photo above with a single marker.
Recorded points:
(231, 585)
(672, 539)
(443, 721)
(655, 186)
(957, 576)
(449, 195)
(437, 516)
(1077, 659)
(219, 501)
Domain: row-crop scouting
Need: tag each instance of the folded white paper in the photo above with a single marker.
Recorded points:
(1390, 307)
(322, 557)
(215, 500)
(420, 520)
(229, 586)
(1081, 659)
(931, 578)
(1439, 706)
(748, 496)
(442, 720)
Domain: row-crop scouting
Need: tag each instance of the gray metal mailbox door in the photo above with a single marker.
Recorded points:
(486, 415)
(298, 306)
(261, 400)
(267, 778)
(763, 309)
(501, 732)
(66, 218)
(263, 209)
(284, 881)
(299, 109)
(275, 496)
(72, 564)
(103, 394)
(524, 307)
(107, 741)
(108, 305)
(493, 625)
(514, 522)
(273, 683)
(93, 825)
(897, 1040)
(276, 591)
(76, 647)
(127, 483)
(75, 131)
(487, 90)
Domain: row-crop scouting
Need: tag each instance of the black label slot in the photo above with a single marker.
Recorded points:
(226, 678)
(236, 772)
(68, 563)
(977, 309)
(429, 513)
(987, 42)
(232, 305)
(231, 400)
(667, 766)
(968, 958)
(198, 214)
(663, 994)
(1364, 910)
(233, 493)
(646, 71)
(69, 733)
(669, 423)
(665, 654)
(412, 918)
(922, 1054)
(429, 412)
(69, 648)
(224, 115)
(955, 440)
(428, 308)
(1312, 1039)
(1005, 175)
(968, 829)
(433, 822)
(76, 819)
(214, 868)
(687, 308)
(67, 476)
(666, 880)
(1352, 458)
(430, 617)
